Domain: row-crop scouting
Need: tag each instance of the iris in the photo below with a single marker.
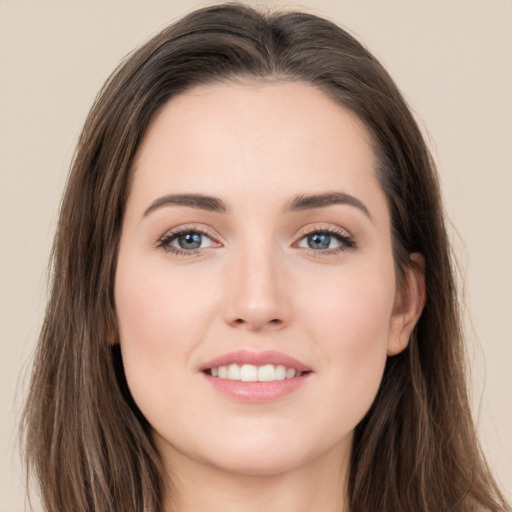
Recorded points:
(319, 241)
(190, 241)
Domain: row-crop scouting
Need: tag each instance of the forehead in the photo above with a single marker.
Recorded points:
(224, 139)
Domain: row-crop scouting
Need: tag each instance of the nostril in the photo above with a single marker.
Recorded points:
(257, 323)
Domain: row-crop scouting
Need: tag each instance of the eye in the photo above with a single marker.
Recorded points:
(185, 241)
(327, 241)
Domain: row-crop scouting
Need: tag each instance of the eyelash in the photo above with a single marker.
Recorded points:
(347, 243)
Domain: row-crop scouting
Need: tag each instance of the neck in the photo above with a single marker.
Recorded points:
(319, 484)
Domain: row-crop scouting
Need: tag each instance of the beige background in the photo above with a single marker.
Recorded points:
(451, 58)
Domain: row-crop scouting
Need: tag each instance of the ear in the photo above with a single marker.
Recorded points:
(409, 303)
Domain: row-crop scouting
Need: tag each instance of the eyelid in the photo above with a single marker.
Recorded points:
(199, 228)
(324, 228)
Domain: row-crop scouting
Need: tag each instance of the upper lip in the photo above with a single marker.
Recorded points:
(256, 358)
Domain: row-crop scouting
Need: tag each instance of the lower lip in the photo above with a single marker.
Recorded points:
(257, 392)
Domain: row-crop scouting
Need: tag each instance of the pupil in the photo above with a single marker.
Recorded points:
(190, 241)
(319, 241)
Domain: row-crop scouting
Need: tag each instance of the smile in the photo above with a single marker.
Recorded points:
(253, 373)
(256, 377)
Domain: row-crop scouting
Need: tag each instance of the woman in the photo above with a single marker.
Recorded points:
(253, 304)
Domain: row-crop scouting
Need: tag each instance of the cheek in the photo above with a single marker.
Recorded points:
(160, 322)
(155, 307)
(349, 319)
(353, 306)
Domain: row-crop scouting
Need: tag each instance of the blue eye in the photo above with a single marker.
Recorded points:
(189, 240)
(185, 242)
(319, 241)
(327, 241)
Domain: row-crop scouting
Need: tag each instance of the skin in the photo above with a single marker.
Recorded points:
(256, 284)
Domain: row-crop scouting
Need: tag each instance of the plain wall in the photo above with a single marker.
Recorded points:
(452, 59)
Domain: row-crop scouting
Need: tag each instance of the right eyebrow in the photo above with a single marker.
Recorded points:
(200, 201)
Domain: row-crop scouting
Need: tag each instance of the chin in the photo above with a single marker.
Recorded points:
(264, 456)
(258, 464)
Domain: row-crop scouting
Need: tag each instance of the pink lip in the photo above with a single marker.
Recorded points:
(256, 392)
(257, 359)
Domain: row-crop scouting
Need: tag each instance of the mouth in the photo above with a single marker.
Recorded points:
(256, 376)
(253, 373)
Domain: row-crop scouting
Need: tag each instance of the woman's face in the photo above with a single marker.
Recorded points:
(256, 246)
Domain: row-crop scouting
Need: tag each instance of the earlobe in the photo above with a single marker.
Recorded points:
(409, 303)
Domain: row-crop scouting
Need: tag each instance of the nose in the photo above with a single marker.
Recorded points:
(257, 297)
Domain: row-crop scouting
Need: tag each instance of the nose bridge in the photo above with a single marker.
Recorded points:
(256, 296)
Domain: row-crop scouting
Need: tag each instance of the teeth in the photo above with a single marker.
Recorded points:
(233, 372)
(290, 373)
(280, 372)
(248, 373)
(252, 373)
(267, 373)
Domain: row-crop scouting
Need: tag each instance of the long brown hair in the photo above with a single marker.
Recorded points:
(86, 441)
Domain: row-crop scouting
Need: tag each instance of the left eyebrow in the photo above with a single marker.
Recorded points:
(299, 203)
(310, 202)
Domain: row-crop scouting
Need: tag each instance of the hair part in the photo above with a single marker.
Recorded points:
(86, 441)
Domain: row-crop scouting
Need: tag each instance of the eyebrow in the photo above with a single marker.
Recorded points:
(310, 202)
(200, 201)
(299, 203)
